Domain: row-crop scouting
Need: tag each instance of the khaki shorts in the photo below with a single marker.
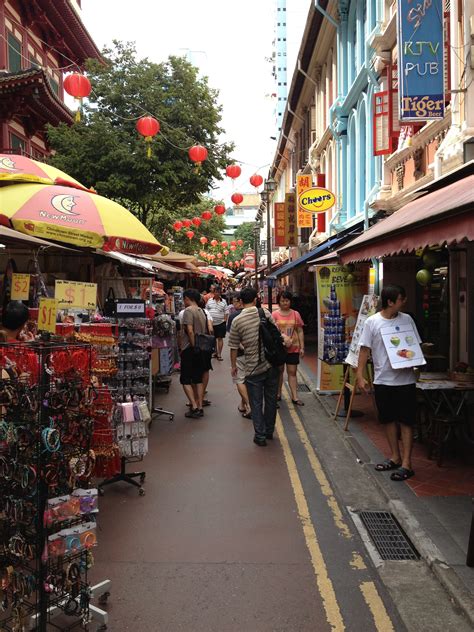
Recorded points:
(240, 379)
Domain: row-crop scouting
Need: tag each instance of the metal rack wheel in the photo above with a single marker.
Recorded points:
(102, 600)
(141, 491)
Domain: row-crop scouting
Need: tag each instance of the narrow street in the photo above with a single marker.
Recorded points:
(233, 537)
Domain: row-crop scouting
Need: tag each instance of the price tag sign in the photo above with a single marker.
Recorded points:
(130, 307)
(20, 287)
(73, 294)
(48, 309)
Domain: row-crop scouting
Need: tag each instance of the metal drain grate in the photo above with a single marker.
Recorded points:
(303, 388)
(388, 537)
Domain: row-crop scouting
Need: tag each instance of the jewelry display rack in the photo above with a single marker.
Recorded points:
(47, 520)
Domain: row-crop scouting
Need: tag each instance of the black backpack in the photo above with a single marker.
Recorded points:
(269, 337)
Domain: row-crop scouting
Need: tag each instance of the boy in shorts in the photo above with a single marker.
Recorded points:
(395, 389)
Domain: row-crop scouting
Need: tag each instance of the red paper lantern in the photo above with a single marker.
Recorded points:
(203, 240)
(187, 223)
(226, 252)
(148, 127)
(219, 209)
(256, 180)
(233, 247)
(233, 171)
(196, 221)
(232, 243)
(242, 261)
(240, 242)
(198, 154)
(237, 198)
(78, 86)
(206, 215)
(214, 243)
(178, 226)
(219, 255)
(190, 234)
(224, 244)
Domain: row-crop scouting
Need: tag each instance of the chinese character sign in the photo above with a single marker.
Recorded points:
(291, 219)
(421, 60)
(280, 224)
(303, 182)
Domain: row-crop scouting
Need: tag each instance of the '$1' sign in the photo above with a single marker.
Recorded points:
(74, 294)
(47, 314)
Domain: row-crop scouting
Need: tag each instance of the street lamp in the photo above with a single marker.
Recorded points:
(256, 237)
(266, 195)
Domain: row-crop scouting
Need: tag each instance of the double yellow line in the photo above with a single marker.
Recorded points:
(324, 584)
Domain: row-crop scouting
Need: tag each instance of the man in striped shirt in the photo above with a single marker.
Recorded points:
(261, 378)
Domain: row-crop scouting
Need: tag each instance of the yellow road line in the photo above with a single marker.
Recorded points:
(372, 599)
(319, 473)
(325, 587)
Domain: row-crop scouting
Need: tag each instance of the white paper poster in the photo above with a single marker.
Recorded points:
(367, 308)
(403, 348)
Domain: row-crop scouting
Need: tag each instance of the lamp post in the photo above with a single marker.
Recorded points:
(256, 236)
(267, 194)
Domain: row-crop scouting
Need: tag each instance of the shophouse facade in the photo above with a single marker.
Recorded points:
(40, 40)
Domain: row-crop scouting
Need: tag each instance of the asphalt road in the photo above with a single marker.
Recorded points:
(234, 537)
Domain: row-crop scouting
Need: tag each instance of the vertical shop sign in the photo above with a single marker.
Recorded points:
(303, 182)
(291, 220)
(421, 60)
(280, 224)
(340, 295)
(249, 261)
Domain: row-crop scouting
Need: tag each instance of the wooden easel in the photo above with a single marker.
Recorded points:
(353, 389)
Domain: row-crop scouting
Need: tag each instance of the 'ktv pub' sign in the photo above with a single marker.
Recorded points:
(421, 59)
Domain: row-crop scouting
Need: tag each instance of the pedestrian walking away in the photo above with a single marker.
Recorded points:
(395, 389)
(218, 309)
(261, 378)
(239, 379)
(192, 361)
(290, 324)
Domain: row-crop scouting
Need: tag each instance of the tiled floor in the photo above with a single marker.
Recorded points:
(454, 478)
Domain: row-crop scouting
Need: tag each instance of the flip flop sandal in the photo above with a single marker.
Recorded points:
(296, 402)
(241, 410)
(387, 465)
(402, 474)
(206, 402)
(247, 415)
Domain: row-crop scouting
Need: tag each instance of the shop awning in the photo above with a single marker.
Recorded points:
(441, 217)
(330, 244)
(8, 236)
(153, 267)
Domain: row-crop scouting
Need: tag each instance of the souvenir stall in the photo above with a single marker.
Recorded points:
(49, 504)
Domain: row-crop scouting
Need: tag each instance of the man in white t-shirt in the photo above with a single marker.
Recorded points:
(395, 389)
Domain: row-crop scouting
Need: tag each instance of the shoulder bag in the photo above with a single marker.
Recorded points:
(205, 342)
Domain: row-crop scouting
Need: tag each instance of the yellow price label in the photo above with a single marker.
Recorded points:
(74, 294)
(48, 309)
(20, 287)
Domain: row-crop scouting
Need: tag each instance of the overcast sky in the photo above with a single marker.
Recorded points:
(230, 42)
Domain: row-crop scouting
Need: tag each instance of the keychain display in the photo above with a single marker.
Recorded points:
(47, 460)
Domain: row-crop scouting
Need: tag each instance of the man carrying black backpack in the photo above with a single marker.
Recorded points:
(254, 330)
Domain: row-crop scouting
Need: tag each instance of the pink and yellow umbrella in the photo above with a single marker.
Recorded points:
(15, 168)
(75, 216)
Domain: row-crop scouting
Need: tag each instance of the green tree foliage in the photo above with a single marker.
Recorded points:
(106, 152)
(245, 232)
(178, 241)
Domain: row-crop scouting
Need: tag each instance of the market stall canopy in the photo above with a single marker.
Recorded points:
(150, 266)
(441, 217)
(173, 257)
(76, 217)
(16, 168)
(216, 273)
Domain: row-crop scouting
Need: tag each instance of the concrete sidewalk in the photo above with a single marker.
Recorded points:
(438, 526)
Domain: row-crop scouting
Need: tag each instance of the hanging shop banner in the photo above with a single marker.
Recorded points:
(20, 287)
(249, 262)
(340, 294)
(75, 295)
(303, 182)
(47, 312)
(280, 224)
(291, 220)
(421, 60)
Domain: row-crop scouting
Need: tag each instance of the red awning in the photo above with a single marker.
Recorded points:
(442, 217)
